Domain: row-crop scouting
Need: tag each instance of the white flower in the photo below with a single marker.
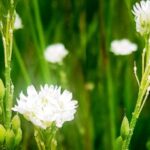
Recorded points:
(55, 53)
(142, 17)
(46, 106)
(18, 22)
(123, 47)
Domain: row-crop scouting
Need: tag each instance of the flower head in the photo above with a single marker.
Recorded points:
(142, 17)
(123, 47)
(18, 22)
(46, 106)
(55, 53)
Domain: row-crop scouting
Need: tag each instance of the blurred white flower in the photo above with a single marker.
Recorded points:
(123, 47)
(142, 17)
(55, 53)
(18, 22)
(46, 106)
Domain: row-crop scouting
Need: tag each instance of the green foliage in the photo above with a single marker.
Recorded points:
(86, 28)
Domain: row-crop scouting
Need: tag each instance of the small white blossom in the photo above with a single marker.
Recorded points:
(55, 53)
(18, 22)
(142, 17)
(123, 47)
(46, 106)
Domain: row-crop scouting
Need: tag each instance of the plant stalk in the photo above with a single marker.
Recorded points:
(142, 91)
(7, 37)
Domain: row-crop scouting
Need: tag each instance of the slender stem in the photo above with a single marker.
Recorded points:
(40, 144)
(21, 63)
(40, 33)
(143, 61)
(63, 76)
(8, 96)
(37, 140)
(142, 90)
(53, 144)
(105, 35)
(111, 91)
(39, 24)
(145, 98)
(7, 34)
(111, 106)
(135, 73)
(147, 49)
(35, 40)
(2, 109)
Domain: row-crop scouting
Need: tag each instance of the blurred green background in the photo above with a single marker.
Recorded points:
(103, 84)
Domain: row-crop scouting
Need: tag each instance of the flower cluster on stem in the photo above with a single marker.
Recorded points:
(47, 109)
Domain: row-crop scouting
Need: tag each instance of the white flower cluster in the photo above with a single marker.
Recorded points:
(18, 22)
(46, 106)
(123, 47)
(142, 17)
(55, 53)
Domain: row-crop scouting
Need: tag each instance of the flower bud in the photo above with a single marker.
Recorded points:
(2, 133)
(9, 138)
(2, 89)
(124, 128)
(15, 122)
(18, 137)
(118, 143)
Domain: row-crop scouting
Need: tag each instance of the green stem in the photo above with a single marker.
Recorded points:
(110, 87)
(8, 96)
(63, 77)
(40, 33)
(2, 109)
(45, 139)
(39, 24)
(142, 90)
(21, 63)
(147, 49)
(34, 36)
(7, 35)
(50, 141)
(53, 144)
(40, 49)
(106, 34)
(111, 106)
(40, 144)
(143, 61)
